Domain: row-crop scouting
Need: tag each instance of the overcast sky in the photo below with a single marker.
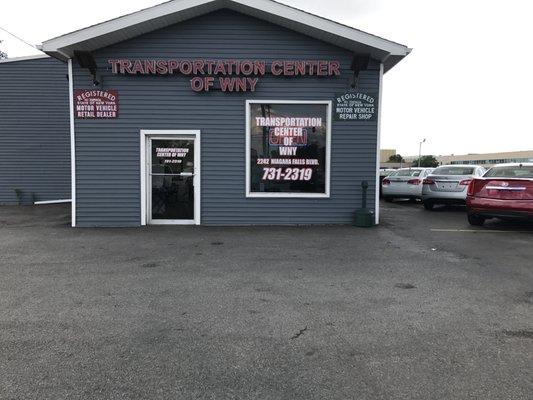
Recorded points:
(467, 87)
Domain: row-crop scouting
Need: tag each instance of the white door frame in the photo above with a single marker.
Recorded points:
(145, 179)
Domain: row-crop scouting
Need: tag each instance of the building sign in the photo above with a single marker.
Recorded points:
(225, 75)
(287, 148)
(96, 104)
(355, 106)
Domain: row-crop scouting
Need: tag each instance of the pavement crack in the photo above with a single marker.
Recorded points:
(300, 333)
(521, 334)
(529, 297)
(405, 286)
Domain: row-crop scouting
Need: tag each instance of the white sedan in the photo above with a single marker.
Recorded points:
(406, 183)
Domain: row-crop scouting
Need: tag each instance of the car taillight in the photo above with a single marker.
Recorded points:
(385, 182)
(471, 188)
(414, 181)
(466, 182)
(428, 181)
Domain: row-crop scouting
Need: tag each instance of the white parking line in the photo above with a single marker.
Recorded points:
(477, 231)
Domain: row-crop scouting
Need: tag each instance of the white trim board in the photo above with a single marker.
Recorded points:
(172, 12)
(144, 156)
(378, 144)
(275, 195)
(38, 203)
(72, 143)
(24, 58)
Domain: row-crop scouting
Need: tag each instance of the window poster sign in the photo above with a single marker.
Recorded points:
(288, 148)
(95, 104)
(171, 155)
(355, 106)
(174, 156)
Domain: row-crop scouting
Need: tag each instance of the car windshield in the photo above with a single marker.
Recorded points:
(408, 172)
(524, 171)
(454, 171)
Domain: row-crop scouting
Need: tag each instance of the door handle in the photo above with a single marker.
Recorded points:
(185, 175)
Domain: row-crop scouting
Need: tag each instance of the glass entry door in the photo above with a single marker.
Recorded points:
(171, 173)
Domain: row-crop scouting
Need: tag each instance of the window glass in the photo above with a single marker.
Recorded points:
(511, 172)
(454, 171)
(409, 172)
(288, 148)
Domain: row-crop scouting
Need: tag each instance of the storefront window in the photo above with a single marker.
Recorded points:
(288, 149)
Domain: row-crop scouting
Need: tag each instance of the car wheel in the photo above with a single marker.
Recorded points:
(428, 205)
(475, 220)
(388, 199)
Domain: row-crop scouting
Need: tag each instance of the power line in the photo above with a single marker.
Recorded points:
(19, 38)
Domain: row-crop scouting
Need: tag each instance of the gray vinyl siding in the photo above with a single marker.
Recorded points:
(107, 151)
(34, 131)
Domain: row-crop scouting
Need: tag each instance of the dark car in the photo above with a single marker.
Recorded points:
(505, 191)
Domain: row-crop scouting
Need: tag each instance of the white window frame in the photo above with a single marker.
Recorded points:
(145, 153)
(249, 193)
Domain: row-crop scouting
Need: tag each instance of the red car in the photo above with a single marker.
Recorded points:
(505, 191)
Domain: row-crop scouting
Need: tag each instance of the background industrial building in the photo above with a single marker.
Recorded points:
(483, 159)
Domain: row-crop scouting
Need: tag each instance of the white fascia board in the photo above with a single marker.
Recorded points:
(119, 23)
(323, 24)
(25, 58)
(276, 10)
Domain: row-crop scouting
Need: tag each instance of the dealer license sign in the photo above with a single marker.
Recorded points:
(355, 106)
(95, 104)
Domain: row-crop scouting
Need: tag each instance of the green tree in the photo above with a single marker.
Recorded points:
(427, 162)
(396, 158)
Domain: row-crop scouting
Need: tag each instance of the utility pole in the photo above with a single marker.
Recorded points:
(420, 152)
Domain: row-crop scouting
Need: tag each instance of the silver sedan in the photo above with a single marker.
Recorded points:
(448, 184)
(405, 183)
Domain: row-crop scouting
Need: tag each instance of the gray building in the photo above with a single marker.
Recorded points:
(34, 130)
(488, 159)
(223, 113)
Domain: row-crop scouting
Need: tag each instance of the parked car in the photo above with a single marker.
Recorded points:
(448, 184)
(505, 191)
(405, 183)
(383, 173)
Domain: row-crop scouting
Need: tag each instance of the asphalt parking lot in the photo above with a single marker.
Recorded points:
(423, 307)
